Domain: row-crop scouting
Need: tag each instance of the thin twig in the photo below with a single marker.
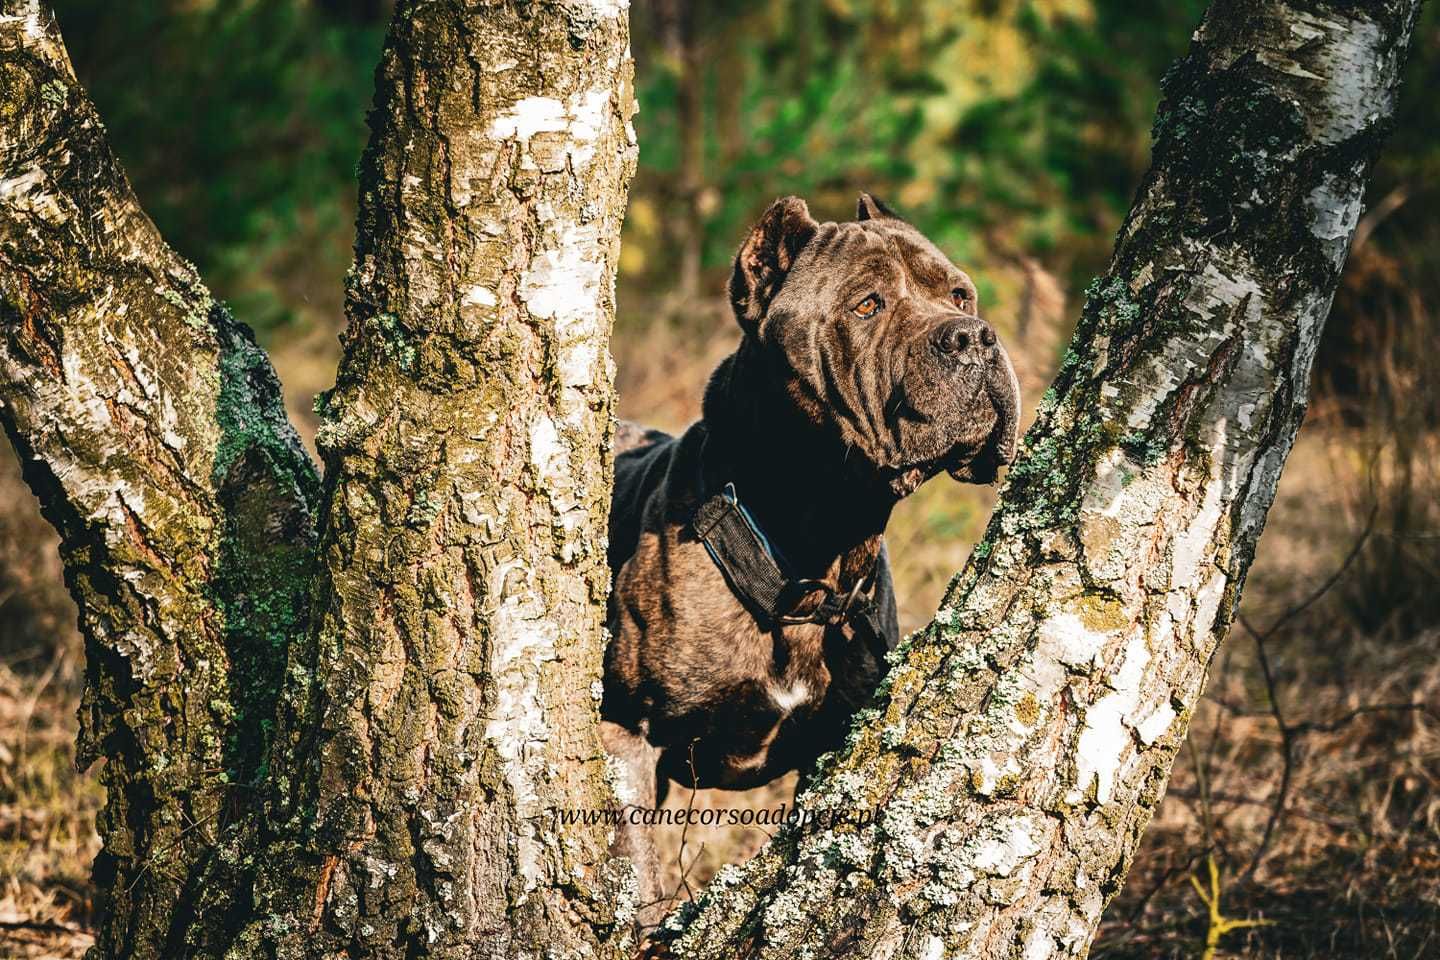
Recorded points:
(1202, 783)
(28, 710)
(1287, 755)
(1377, 214)
(1165, 878)
(1325, 587)
(670, 898)
(43, 926)
(173, 845)
(1287, 732)
(1332, 726)
(684, 831)
(1218, 923)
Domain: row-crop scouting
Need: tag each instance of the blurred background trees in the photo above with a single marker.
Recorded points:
(1000, 127)
(1013, 132)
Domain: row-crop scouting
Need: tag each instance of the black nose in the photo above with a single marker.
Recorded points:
(963, 335)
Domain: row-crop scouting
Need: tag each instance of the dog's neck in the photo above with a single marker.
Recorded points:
(823, 515)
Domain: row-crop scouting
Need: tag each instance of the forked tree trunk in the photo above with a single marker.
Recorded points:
(435, 695)
(444, 696)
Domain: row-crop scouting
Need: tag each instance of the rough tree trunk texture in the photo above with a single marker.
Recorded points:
(438, 688)
(460, 600)
(444, 695)
(151, 428)
(1021, 742)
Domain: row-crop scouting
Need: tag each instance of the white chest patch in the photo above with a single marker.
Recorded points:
(788, 698)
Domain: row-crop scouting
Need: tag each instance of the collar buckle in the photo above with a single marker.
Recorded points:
(754, 568)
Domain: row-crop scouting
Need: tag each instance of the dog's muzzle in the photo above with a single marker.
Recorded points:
(1002, 389)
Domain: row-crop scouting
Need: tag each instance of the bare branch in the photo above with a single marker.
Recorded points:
(1287, 732)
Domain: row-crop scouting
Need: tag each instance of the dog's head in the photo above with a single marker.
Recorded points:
(880, 340)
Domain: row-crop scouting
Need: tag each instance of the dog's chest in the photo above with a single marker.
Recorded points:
(765, 725)
(797, 675)
(787, 695)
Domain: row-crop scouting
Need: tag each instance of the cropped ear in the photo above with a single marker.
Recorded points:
(871, 207)
(766, 257)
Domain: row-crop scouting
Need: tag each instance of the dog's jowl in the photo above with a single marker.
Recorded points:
(752, 601)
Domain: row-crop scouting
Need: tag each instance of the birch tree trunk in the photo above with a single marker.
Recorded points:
(151, 428)
(461, 591)
(1022, 740)
(435, 693)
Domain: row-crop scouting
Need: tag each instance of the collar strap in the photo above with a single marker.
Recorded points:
(752, 568)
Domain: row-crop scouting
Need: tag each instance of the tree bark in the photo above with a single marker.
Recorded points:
(436, 694)
(1022, 740)
(151, 428)
(461, 592)
(444, 697)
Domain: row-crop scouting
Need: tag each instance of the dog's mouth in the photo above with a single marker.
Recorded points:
(904, 481)
(971, 465)
(965, 461)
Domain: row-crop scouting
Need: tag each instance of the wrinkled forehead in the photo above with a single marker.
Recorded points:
(885, 247)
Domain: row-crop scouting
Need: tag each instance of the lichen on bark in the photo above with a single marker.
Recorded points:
(151, 429)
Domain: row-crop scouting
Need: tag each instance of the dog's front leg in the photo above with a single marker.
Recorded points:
(635, 787)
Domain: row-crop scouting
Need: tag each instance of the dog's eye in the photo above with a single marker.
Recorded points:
(960, 297)
(868, 307)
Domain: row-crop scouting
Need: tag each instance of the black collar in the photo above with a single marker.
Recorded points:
(755, 572)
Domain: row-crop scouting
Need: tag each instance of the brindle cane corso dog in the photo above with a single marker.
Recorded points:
(752, 601)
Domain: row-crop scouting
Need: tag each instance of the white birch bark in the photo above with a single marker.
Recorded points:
(463, 578)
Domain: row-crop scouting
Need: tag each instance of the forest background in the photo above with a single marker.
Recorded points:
(1013, 132)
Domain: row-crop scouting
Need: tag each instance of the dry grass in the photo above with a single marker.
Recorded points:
(1352, 869)
(47, 809)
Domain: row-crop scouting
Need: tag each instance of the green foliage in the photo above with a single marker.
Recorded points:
(1021, 125)
(239, 124)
